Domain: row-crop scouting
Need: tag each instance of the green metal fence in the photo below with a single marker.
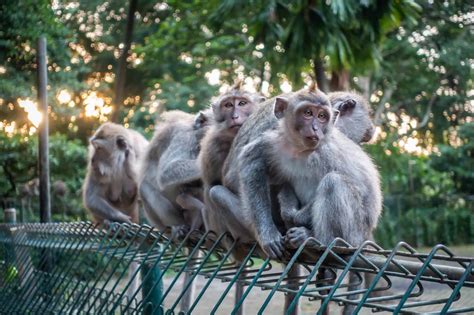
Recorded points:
(76, 268)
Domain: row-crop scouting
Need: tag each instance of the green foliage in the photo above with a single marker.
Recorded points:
(458, 162)
(426, 224)
(68, 159)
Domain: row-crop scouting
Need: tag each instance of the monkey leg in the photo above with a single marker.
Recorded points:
(355, 281)
(158, 209)
(193, 210)
(335, 211)
(180, 172)
(293, 284)
(188, 296)
(230, 207)
(224, 198)
(135, 282)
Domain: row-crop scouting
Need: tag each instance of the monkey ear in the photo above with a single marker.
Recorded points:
(121, 143)
(96, 142)
(346, 106)
(200, 120)
(281, 104)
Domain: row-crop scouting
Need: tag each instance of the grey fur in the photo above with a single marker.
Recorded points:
(256, 173)
(170, 184)
(110, 186)
(214, 149)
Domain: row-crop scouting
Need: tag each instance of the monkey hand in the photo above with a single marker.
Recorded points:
(272, 245)
(296, 236)
(179, 232)
(121, 218)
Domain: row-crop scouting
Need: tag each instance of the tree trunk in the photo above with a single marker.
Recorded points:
(320, 75)
(122, 65)
(340, 80)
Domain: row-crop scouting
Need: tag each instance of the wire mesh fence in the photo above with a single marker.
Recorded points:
(77, 268)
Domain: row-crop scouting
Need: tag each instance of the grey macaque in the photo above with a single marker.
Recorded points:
(352, 117)
(231, 109)
(170, 185)
(110, 186)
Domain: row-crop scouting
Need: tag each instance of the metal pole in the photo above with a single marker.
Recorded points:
(152, 291)
(45, 201)
(10, 215)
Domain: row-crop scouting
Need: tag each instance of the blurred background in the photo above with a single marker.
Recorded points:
(128, 61)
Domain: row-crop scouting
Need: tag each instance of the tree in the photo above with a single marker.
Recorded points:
(335, 36)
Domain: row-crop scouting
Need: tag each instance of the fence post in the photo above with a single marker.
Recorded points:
(45, 201)
(9, 215)
(153, 292)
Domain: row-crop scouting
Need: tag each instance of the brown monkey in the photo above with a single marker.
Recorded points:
(110, 186)
(170, 185)
(231, 109)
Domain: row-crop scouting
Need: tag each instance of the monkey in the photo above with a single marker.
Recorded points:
(353, 120)
(170, 185)
(60, 191)
(353, 115)
(28, 191)
(170, 181)
(231, 109)
(110, 185)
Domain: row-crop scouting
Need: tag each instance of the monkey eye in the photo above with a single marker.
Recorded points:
(323, 116)
(242, 103)
(228, 105)
(308, 113)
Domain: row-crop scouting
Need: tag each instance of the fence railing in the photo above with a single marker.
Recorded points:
(66, 268)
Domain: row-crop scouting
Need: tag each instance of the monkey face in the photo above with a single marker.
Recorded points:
(311, 122)
(235, 111)
(107, 152)
(306, 120)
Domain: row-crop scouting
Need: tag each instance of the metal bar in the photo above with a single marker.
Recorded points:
(43, 149)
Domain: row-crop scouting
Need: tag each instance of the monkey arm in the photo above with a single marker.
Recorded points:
(225, 199)
(101, 207)
(193, 208)
(255, 196)
(179, 172)
(291, 213)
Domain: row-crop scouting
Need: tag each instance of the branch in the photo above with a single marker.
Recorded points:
(10, 179)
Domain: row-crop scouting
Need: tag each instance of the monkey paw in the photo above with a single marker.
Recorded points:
(273, 247)
(296, 236)
(179, 232)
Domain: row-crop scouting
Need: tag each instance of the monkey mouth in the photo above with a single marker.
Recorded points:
(313, 138)
(236, 126)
